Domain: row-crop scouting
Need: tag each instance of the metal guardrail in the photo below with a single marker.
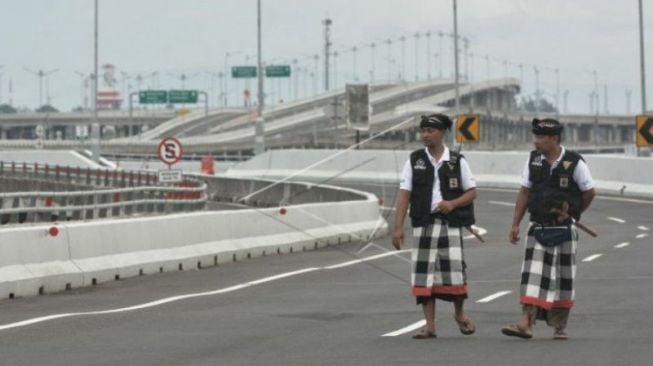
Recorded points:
(82, 194)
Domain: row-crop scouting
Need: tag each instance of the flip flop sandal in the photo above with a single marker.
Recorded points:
(466, 326)
(514, 331)
(423, 334)
(560, 335)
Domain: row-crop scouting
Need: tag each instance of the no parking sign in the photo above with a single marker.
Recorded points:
(170, 150)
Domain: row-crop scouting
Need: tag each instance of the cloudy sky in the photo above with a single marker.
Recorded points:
(193, 37)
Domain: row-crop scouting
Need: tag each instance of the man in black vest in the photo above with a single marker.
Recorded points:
(439, 187)
(556, 189)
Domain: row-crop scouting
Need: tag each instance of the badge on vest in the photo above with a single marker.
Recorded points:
(537, 161)
(564, 182)
(453, 183)
(566, 164)
(420, 165)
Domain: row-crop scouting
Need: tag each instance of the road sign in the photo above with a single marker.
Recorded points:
(153, 97)
(170, 150)
(170, 176)
(182, 96)
(277, 71)
(644, 130)
(468, 128)
(358, 106)
(243, 71)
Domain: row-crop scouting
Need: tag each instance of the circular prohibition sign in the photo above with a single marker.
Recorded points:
(170, 150)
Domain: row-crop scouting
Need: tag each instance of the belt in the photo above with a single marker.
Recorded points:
(438, 216)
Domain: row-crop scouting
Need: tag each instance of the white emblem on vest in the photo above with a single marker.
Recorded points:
(537, 161)
(564, 182)
(420, 165)
(453, 182)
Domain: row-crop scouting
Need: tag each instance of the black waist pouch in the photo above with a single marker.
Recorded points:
(550, 236)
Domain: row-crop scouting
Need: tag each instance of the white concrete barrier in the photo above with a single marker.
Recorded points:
(85, 253)
(491, 169)
(31, 261)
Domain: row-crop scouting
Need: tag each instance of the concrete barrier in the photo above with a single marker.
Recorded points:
(87, 253)
(491, 169)
(32, 260)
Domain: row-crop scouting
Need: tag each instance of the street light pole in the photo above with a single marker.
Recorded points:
(428, 55)
(641, 57)
(259, 144)
(95, 127)
(389, 43)
(1, 66)
(403, 58)
(327, 46)
(456, 73)
(416, 56)
(373, 48)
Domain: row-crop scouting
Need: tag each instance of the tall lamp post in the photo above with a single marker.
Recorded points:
(259, 143)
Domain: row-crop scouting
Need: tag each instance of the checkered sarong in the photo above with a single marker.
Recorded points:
(438, 268)
(548, 273)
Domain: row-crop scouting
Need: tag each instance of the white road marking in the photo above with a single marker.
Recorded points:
(386, 208)
(407, 329)
(616, 219)
(622, 245)
(501, 203)
(644, 228)
(643, 235)
(592, 257)
(356, 261)
(632, 200)
(167, 300)
(493, 297)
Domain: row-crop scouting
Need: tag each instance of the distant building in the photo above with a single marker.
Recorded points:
(108, 97)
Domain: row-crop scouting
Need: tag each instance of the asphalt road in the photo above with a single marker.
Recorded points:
(300, 309)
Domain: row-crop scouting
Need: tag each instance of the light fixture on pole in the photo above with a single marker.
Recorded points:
(41, 74)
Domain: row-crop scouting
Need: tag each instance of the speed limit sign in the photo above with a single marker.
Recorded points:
(170, 150)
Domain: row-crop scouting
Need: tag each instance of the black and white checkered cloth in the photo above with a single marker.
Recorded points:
(438, 265)
(548, 273)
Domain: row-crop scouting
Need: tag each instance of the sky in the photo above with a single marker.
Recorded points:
(200, 38)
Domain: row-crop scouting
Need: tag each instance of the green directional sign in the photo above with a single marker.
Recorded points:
(277, 71)
(182, 96)
(153, 97)
(243, 71)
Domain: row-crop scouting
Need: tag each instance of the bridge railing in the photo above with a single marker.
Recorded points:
(40, 193)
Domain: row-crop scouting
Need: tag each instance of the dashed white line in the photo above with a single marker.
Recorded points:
(622, 245)
(501, 203)
(616, 219)
(643, 235)
(493, 297)
(643, 228)
(407, 329)
(592, 257)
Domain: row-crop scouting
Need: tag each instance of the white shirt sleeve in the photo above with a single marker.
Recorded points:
(468, 181)
(525, 182)
(583, 177)
(406, 182)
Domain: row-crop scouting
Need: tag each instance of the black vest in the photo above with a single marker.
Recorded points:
(450, 186)
(547, 183)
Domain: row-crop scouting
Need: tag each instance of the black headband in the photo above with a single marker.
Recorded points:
(547, 126)
(440, 122)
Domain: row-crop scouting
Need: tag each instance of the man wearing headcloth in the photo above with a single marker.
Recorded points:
(439, 187)
(556, 188)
